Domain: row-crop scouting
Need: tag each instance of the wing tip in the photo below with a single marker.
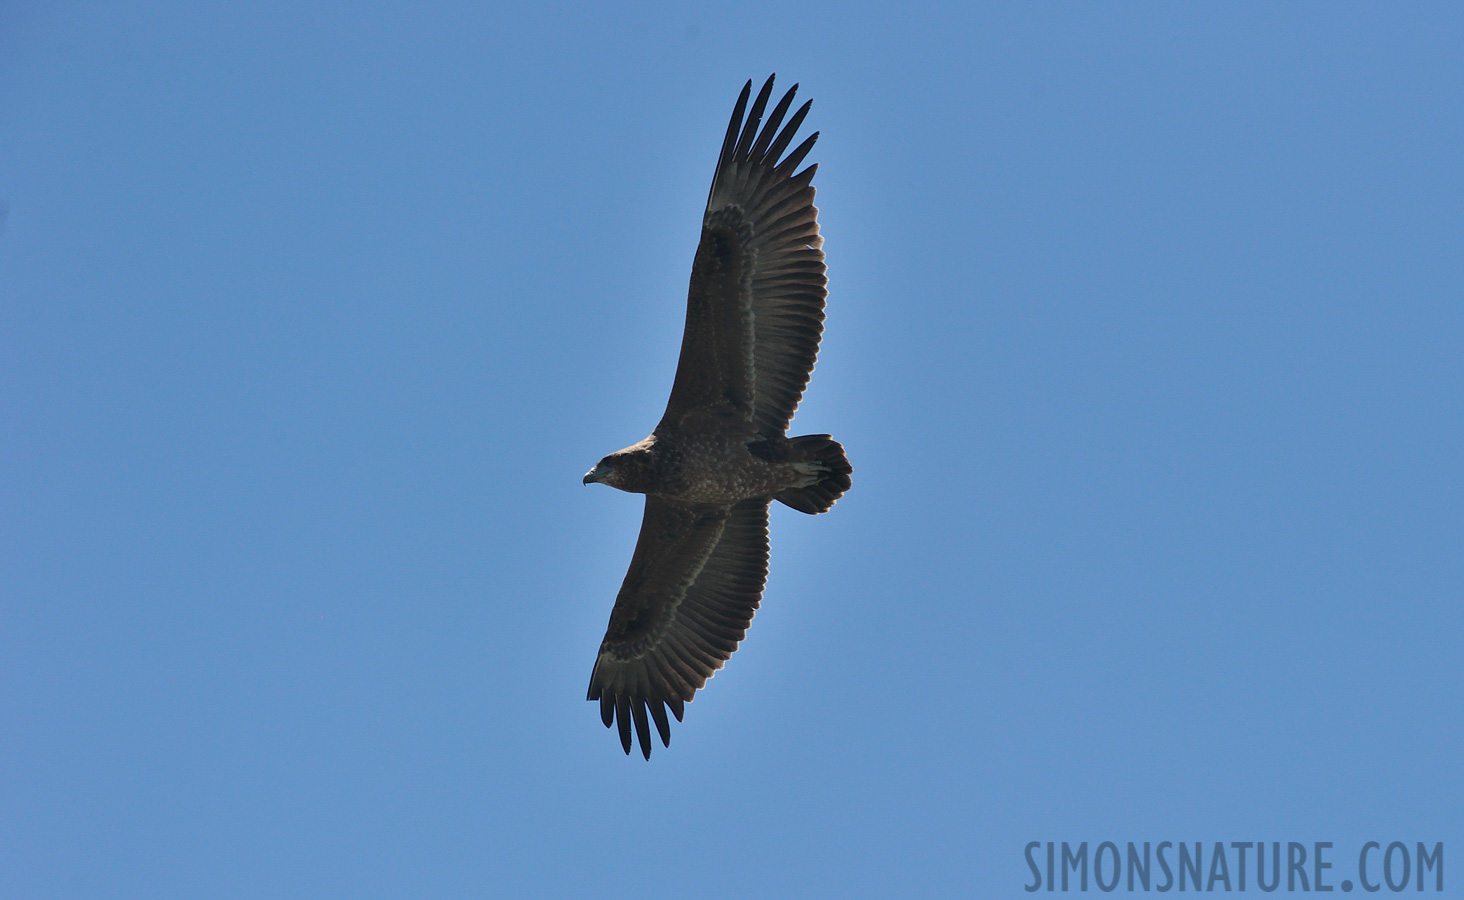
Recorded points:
(751, 141)
(634, 718)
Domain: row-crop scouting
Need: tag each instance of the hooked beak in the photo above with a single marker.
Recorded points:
(595, 474)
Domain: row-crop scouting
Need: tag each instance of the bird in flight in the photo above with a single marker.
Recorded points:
(721, 453)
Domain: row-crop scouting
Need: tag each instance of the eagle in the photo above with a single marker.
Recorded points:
(721, 453)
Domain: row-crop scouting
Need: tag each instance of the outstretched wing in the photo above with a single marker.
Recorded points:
(694, 582)
(755, 309)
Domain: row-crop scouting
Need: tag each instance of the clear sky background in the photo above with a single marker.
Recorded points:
(1145, 338)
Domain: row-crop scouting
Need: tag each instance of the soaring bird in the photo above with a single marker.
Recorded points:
(721, 453)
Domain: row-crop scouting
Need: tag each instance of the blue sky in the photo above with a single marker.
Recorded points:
(1145, 338)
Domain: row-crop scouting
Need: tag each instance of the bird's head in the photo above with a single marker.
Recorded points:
(626, 469)
(603, 473)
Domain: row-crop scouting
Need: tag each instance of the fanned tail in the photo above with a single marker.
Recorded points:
(828, 470)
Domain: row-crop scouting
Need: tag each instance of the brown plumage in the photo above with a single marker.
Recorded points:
(721, 454)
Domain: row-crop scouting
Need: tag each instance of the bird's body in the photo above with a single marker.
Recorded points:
(709, 466)
(721, 452)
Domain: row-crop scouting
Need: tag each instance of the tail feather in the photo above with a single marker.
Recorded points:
(825, 461)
